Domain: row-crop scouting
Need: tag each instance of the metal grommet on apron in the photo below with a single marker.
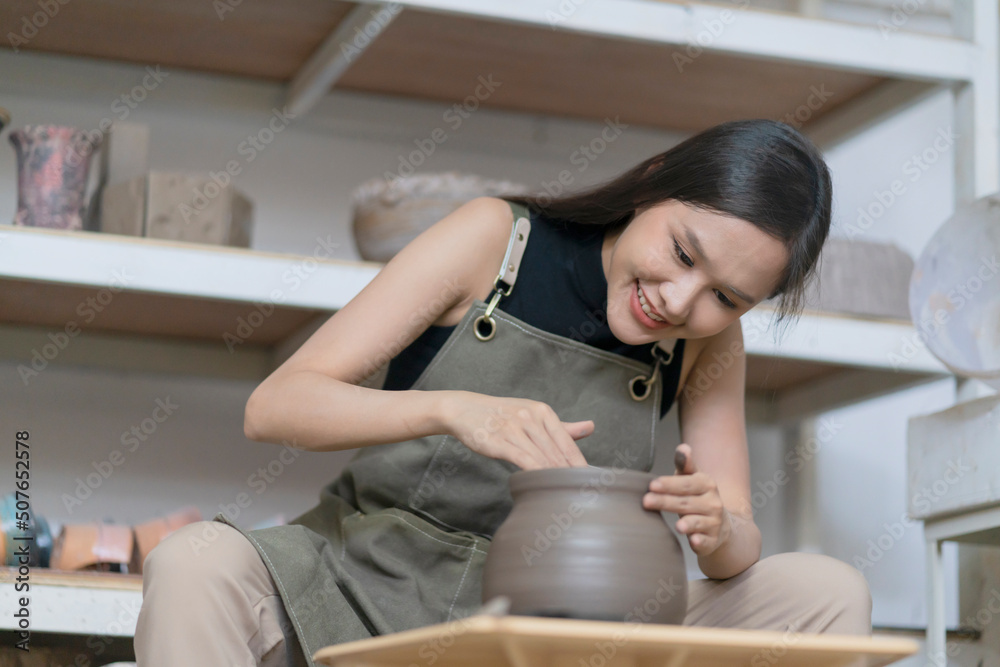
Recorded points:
(647, 382)
(504, 282)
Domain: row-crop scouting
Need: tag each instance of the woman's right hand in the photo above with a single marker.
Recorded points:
(527, 433)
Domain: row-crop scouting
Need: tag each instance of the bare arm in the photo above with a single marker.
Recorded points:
(712, 498)
(312, 400)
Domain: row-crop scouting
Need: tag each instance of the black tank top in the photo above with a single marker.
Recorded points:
(561, 288)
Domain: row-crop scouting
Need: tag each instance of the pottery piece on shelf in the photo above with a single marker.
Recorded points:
(179, 206)
(953, 292)
(579, 544)
(14, 536)
(53, 163)
(388, 215)
(151, 533)
(93, 546)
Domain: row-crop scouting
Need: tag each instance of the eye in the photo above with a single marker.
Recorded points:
(681, 255)
(726, 301)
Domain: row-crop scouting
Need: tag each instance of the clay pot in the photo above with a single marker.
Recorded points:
(579, 544)
(151, 533)
(388, 215)
(93, 546)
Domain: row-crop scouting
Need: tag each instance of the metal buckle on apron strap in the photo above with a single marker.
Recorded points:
(488, 315)
(507, 275)
(647, 383)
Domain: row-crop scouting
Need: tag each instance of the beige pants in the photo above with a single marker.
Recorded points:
(220, 607)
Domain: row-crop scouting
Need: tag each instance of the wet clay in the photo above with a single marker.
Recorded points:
(579, 544)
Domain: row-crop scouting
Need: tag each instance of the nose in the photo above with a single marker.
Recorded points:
(678, 298)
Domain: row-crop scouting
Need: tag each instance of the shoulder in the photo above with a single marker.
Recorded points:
(472, 241)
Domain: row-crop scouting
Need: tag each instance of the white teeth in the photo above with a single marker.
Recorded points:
(646, 309)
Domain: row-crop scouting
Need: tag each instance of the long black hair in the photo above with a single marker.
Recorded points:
(762, 171)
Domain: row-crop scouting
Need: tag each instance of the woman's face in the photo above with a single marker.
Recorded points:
(698, 271)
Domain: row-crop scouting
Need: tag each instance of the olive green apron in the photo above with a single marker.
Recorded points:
(398, 541)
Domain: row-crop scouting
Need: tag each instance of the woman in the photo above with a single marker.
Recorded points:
(604, 305)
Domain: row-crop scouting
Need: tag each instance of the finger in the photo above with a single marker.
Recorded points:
(550, 448)
(682, 485)
(561, 437)
(578, 430)
(696, 523)
(679, 504)
(540, 440)
(517, 442)
(683, 460)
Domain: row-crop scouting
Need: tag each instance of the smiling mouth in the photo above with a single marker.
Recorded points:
(647, 309)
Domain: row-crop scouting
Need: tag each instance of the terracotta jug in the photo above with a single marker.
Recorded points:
(579, 544)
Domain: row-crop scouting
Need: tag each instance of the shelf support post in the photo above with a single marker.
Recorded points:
(977, 103)
(353, 35)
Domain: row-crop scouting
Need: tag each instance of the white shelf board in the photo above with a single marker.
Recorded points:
(94, 259)
(73, 608)
(892, 345)
(742, 32)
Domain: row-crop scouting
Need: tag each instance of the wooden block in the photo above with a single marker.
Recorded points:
(521, 641)
(178, 206)
(953, 460)
(124, 156)
(123, 208)
(124, 153)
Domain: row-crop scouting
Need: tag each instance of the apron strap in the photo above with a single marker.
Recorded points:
(485, 327)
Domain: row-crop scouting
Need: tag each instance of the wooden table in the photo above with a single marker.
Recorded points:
(520, 641)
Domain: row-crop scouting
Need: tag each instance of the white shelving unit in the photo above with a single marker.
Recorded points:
(170, 319)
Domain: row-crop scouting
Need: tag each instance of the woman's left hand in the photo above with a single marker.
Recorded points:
(695, 498)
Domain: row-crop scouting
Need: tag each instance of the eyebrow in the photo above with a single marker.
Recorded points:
(693, 240)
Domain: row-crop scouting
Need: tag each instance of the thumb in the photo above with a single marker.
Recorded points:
(579, 430)
(683, 463)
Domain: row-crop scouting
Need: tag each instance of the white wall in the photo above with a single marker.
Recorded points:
(301, 186)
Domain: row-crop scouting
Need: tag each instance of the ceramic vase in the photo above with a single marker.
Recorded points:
(53, 163)
(579, 544)
(390, 214)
